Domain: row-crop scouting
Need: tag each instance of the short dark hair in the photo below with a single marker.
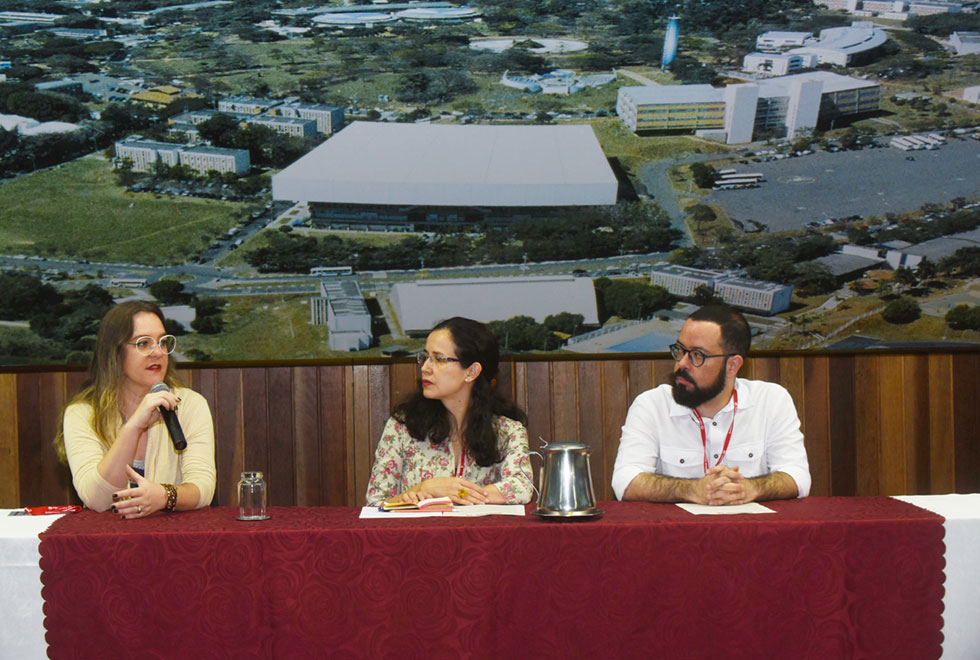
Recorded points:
(735, 333)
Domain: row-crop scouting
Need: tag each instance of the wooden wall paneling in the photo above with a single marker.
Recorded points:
(615, 384)
(892, 422)
(364, 441)
(588, 376)
(564, 402)
(404, 382)
(842, 426)
(763, 368)
(662, 368)
(866, 418)
(966, 410)
(280, 438)
(813, 410)
(307, 453)
(334, 468)
(915, 392)
(9, 445)
(229, 437)
(942, 463)
(55, 477)
(538, 395)
(28, 428)
(520, 384)
(505, 379)
(256, 428)
(641, 378)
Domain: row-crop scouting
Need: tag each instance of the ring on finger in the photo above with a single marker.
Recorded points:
(462, 493)
(139, 508)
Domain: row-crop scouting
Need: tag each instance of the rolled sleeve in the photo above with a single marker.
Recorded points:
(639, 445)
(785, 449)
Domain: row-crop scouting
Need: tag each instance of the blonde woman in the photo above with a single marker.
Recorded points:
(113, 436)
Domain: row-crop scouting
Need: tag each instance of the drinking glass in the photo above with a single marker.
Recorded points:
(252, 497)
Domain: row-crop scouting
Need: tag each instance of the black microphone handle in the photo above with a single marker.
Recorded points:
(176, 433)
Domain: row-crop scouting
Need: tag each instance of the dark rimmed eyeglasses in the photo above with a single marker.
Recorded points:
(145, 345)
(695, 355)
(438, 360)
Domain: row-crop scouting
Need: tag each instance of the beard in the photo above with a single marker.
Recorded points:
(697, 395)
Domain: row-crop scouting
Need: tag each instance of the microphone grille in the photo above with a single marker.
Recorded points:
(160, 387)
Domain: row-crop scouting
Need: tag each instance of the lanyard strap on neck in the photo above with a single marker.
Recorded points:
(728, 438)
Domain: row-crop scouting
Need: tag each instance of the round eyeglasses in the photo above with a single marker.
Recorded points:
(438, 360)
(145, 345)
(695, 355)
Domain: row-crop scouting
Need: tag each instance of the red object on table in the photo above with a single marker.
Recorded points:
(821, 578)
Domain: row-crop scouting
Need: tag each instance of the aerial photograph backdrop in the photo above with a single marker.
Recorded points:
(303, 182)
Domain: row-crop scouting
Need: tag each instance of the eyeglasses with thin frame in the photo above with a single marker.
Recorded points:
(145, 345)
(695, 355)
(438, 360)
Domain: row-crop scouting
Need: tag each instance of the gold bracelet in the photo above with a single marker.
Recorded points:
(171, 497)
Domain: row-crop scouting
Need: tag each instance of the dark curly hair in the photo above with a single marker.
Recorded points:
(430, 419)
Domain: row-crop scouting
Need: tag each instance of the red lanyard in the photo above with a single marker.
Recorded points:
(728, 438)
(462, 460)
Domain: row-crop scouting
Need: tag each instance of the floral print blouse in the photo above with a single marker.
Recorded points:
(401, 461)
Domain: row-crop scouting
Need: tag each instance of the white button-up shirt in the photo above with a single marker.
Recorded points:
(662, 437)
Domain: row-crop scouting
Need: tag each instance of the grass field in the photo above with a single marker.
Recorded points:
(77, 210)
(268, 328)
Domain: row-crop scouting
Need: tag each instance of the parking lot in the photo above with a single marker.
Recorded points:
(870, 182)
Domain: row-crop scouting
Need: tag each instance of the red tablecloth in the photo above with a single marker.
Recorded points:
(821, 578)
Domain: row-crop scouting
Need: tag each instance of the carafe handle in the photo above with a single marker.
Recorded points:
(530, 477)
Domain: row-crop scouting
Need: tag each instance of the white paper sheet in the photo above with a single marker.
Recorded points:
(705, 510)
(472, 511)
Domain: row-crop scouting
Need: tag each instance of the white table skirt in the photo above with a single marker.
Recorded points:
(22, 609)
(960, 602)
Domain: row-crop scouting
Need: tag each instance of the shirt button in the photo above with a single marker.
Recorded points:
(714, 423)
(682, 460)
(750, 454)
(716, 455)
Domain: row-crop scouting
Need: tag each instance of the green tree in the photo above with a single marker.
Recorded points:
(964, 317)
(633, 300)
(704, 175)
(564, 322)
(901, 310)
(21, 295)
(168, 291)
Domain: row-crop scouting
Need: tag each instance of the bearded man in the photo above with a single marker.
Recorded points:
(710, 437)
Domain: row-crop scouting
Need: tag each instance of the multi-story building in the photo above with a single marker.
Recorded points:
(340, 306)
(754, 295)
(672, 107)
(329, 118)
(778, 64)
(145, 154)
(247, 105)
(295, 126)
(204, 159)
(778, 40)
(784, 106)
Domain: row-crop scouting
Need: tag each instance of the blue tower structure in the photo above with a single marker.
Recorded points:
(670, 42)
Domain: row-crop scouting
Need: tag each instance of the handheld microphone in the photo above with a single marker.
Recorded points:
(170, 419)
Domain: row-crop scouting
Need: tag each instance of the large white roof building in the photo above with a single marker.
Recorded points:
(448, 165)
(422, 304)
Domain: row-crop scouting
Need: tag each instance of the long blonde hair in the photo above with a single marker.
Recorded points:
(101, 388)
